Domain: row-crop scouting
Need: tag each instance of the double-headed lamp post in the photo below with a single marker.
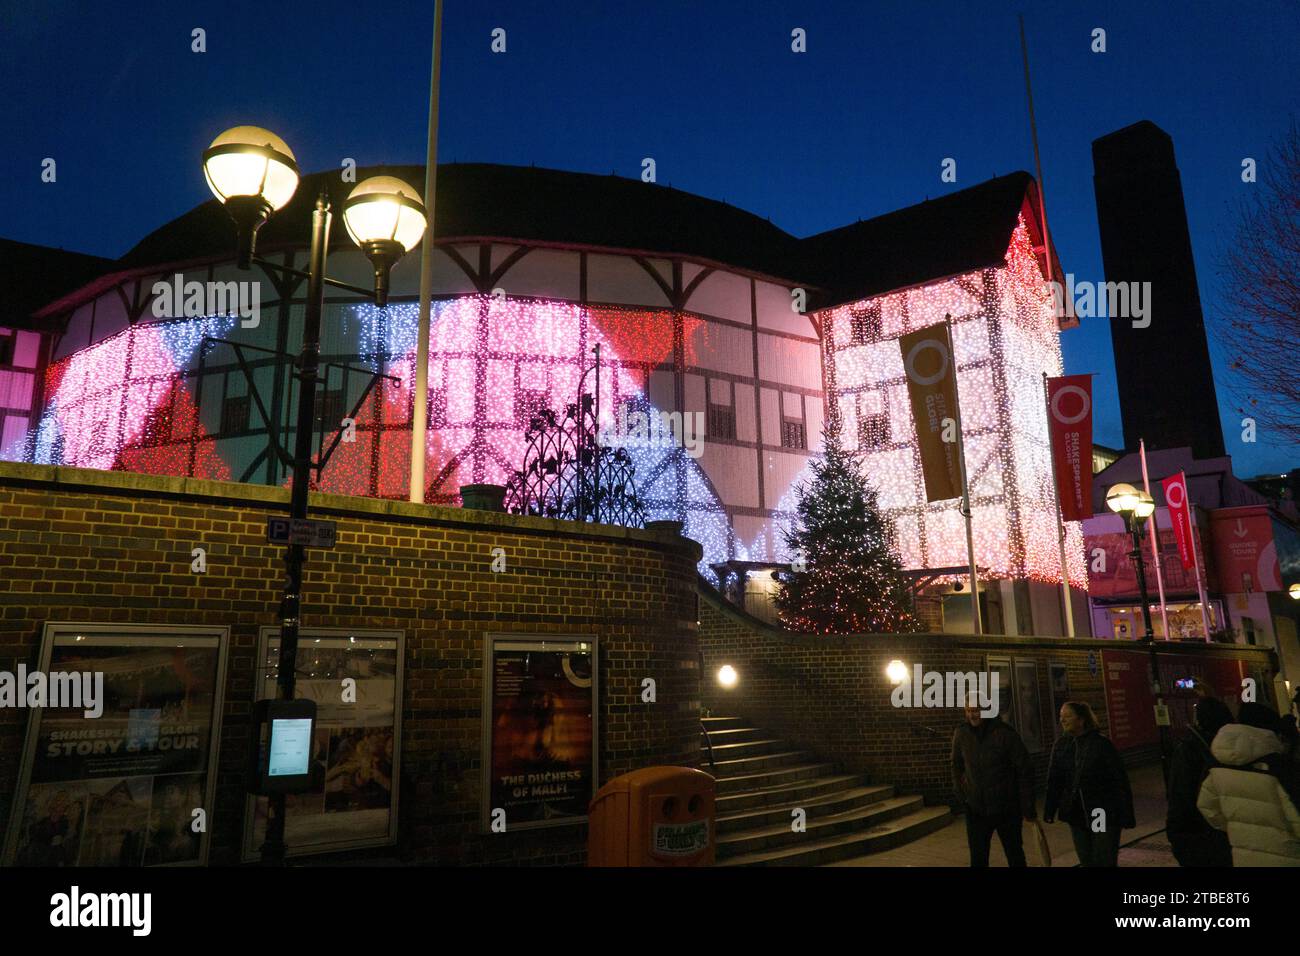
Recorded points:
(254, 174)
(1135, 507)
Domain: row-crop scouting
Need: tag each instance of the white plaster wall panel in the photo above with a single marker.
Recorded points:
(13, 434)
(349, 264)
(695, 394)
(789, 361)
(770, 407)
(791, 406)
(746, 426)
(891, 474)
(726, 349)
(448, 277)
(110, 314)
(734, 473)
(16, 389)
(752, 535)
(27, 349)
(813, 425)
(907, 539)
(460, 402)
(501, 391)
(720, 392)
(723, 294)
(774, 310)
(849, 421)
(500, 251)
(782, 470)
(975, 393)
(545, 274)
(621, 279)
(689, 271)
(662, 393)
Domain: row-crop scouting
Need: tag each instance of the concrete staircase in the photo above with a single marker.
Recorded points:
(762, 779)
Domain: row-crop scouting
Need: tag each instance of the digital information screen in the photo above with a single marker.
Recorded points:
(290, 747)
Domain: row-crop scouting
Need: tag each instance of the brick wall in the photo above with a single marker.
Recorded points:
(112, 547)
(832, 696)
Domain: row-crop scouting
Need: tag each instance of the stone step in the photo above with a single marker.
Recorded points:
(771, 778)
(840, 846)
(731, 735)
(744, 748)
(784, 794)
(816, 807)
(742, 766)
(723, 723)
(780, 834)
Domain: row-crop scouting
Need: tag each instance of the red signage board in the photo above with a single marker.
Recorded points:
(1069, 405)
(1130, 704)
(1112, 573)
(1245, 554)
(1180, 514)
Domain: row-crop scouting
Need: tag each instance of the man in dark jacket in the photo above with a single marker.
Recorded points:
(1194, 841)
(994, 780)
(1088, 785)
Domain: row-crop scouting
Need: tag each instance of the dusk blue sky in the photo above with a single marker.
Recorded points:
(855, 127)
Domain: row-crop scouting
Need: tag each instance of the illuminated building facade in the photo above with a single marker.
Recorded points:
(695, 307)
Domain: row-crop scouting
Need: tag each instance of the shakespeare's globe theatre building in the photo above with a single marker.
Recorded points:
(697, 307)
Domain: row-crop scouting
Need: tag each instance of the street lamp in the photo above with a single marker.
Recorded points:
(1135, 507)
(1294, 591)
(254, 174)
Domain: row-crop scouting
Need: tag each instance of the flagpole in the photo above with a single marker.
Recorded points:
(1155, 541)
(965, 488)
(420, 410)
(1038, 163)
(1060, 522)
(1196, 561)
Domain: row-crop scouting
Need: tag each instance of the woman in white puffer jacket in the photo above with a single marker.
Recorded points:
(1247, 801)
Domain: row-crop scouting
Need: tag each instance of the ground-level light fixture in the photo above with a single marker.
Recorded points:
(896, 672)
(727, 676)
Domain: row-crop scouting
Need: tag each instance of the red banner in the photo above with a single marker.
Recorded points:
(1069, 405)
(1180, 514)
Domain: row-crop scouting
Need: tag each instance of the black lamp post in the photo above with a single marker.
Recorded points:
(1135, 507)
(253, 172)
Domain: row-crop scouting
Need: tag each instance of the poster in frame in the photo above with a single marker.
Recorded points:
(1006, 687)
(126, 788)
(1029, 705)
(540, 729)
(356, 749)
(1058, 679)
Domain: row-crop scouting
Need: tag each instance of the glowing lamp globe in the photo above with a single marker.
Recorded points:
(896, 672)
(1122, 499)
(1294, 591)
(727, 675)
(253, 172)
(252, 162)
(385, 217)
(1145, 507)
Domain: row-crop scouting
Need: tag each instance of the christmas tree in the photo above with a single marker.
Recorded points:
(846, 577)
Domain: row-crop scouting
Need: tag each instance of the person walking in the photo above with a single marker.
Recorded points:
(1089, 787)
(1194, 841)
(1252, 794)
(994, 781)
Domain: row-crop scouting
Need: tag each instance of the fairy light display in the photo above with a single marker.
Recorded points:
(122, 403)
(1004, 338)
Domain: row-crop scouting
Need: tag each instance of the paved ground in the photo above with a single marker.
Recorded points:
(1145, 845)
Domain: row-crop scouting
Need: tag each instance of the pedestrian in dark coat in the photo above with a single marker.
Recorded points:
(1088, 787)
(1194, 841)
(994, 781)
